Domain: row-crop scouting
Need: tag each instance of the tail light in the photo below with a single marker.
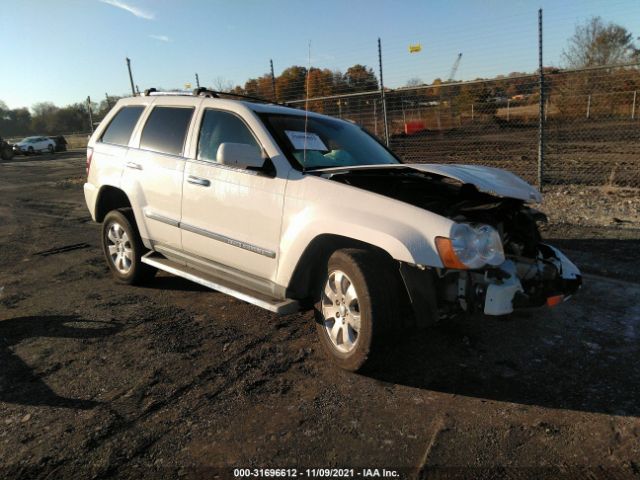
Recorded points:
(89, 157)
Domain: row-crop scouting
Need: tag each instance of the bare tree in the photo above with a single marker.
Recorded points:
(598, 43)
(221, 84)
(414, 82)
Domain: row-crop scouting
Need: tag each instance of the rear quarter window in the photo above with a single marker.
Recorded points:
(166, 130)
(119, 130)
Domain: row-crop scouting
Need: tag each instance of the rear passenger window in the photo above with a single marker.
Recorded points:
(166, 130)
(119, 130)
(218, 127)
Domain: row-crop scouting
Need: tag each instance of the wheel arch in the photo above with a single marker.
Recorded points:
(315, 257)
(110, 198)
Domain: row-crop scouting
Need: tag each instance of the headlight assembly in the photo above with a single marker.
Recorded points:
(470, 247)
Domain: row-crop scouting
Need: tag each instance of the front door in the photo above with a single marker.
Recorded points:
(230, 216)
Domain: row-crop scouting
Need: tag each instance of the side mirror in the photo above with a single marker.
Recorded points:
(239, 155)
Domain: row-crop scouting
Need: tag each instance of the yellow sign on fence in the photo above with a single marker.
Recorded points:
(415, 48)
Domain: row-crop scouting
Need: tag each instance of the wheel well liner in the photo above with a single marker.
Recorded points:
(315, 257)
(110, 198)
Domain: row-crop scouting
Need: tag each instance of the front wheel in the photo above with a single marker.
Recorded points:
(356, 307)
(51, 149)
(123, 248)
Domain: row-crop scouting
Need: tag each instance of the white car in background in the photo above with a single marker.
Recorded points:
(292, 210)
(32, 145)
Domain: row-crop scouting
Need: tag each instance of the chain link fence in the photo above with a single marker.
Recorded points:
(589, 134)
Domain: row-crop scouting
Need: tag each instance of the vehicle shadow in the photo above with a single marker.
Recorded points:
(18, 382)
(521, 361)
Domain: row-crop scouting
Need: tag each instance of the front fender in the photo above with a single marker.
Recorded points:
(316, 206)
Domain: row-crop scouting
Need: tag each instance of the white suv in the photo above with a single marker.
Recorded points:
(288, 209)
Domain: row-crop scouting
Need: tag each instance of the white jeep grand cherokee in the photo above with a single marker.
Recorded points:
(288, 209)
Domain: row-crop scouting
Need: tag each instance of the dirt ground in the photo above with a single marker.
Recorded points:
(99, 380)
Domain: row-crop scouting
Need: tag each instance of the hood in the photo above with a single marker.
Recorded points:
(493, 181)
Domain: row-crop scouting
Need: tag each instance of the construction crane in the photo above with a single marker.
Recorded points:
(454, 68)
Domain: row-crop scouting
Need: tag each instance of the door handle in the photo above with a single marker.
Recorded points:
(135, 166)
(203, 182)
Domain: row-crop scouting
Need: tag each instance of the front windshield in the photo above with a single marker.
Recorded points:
(327, 143)
(29, 140)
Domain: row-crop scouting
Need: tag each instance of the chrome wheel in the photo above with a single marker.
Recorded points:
(119, 248)
(341, 311)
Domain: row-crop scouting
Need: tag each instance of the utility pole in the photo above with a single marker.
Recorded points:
(197, 81)
(90, 115)
(133, 90)
(384, 101)
(106, 96)
(273, 81)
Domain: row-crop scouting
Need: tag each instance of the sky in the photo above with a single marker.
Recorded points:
(65, 50)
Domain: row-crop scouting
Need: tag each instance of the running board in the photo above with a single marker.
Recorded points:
(282, 307)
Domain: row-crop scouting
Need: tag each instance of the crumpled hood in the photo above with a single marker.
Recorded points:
(493, 181)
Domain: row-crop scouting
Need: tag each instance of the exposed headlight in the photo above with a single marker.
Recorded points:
(471, 246)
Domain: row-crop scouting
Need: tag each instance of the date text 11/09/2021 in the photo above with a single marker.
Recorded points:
(315, 473)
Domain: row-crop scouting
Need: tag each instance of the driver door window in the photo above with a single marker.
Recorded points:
(219, 127)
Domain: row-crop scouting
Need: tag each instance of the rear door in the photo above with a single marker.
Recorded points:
(110, 147)
(153, 171)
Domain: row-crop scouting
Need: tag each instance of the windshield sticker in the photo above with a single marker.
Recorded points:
(310, 141)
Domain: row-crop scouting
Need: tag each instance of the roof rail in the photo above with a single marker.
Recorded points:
(154, 92)
(206, 92)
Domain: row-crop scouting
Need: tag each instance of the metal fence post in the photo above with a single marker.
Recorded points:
(382, 97)
(633, 106)
(90, 114)
(588, 106)
(273, 81)
(541, 105)
(133, 90)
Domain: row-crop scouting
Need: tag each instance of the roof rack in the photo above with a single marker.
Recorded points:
(205, 92)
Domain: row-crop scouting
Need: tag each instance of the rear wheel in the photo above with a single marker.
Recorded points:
(123, 248)
(356, 307)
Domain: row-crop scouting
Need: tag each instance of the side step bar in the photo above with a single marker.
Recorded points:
(282, 307)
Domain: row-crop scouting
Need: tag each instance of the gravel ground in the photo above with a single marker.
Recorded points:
(99, 380)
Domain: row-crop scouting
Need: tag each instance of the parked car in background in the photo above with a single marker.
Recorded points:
(61, 143)
(6, 151)
(31, 145)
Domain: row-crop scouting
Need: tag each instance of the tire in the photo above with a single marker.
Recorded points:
(51, 149)
(123, 248)
(361, 286)
(30, 151)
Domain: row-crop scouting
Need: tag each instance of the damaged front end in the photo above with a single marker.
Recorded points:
(495, 260)
(519, 282)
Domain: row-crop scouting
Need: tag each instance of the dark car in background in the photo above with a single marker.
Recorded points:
(6, 150)
(61, 143)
